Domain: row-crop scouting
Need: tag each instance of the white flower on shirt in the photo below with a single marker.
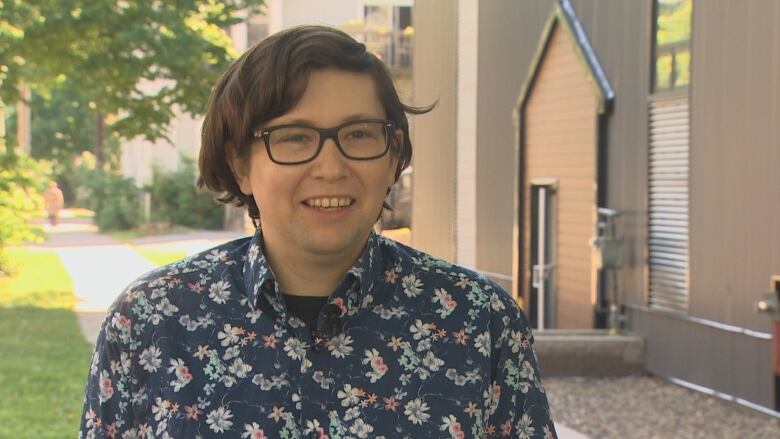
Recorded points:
(219, 291)
(482, 343)
(339, 345)
(219, 420)
(416, 410)
(523, 427)
(150, 359)
(411, 285)
(239, 368)
(294, 348)
(349, 396)
(361, 429)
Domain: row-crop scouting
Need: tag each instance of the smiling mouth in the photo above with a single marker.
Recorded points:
(329, 203)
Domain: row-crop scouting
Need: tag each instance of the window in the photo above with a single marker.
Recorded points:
(672, 54)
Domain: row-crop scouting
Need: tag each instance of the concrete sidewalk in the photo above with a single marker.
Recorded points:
(101, 267)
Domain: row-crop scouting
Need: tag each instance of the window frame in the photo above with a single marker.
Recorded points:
(671, 90)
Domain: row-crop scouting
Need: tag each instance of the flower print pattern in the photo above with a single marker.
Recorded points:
(204, 347)
(219, 420)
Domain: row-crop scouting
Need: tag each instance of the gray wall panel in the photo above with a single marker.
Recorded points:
(735, 364)
(735, 226)
(509, 32)
(620, 34)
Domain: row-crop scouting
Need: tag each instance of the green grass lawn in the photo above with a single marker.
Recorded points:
(129, 235)
(159, 255)
(44, 359)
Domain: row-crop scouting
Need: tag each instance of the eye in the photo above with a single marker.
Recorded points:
(296, 138)
(358, 134)
(293, 135)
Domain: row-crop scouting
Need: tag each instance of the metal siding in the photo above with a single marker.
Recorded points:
(735, 200)
(620, 31)
(668, 206)
(433, 196)
(735, 364)
(562, 96)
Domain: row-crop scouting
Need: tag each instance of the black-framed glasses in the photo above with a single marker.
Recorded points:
(365, 139)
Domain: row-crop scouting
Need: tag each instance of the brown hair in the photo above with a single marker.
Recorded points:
(266, 82)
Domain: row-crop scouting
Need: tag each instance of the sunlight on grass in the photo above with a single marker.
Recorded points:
(159, 255)
(44, 358)
(129, 235)
(29, 288)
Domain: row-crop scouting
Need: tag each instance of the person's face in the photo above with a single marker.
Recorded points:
(286, 194)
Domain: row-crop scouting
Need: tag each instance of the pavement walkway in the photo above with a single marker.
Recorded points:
(101, 267)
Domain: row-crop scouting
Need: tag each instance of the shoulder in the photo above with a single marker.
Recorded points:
(173, 289)
(422, 273)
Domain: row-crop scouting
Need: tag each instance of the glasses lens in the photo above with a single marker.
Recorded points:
(363, 139)
(293, 144)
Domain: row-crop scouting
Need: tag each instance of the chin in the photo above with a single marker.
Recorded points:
(332, 243)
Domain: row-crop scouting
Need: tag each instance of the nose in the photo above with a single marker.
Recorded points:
(330, 164)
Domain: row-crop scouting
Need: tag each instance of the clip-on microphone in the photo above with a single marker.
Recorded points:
(331, 326)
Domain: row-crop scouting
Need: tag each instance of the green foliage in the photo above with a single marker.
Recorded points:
(176, 199)
(74, 177)
(674, 21)
(22, 180)
(115, 199)
(133, 61)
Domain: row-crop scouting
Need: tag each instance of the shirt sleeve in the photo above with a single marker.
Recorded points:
(107, 402)
(517, 403)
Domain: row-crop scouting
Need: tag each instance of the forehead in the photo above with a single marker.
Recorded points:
(332, 96)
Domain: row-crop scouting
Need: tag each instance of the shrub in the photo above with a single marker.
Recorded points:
(22, 180)
(115, 199)
(74, 177)
(177, 200)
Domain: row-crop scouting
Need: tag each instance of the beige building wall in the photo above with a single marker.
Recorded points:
(433, 196)
(560, 144)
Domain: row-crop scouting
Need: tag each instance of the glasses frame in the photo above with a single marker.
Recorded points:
(325, 134)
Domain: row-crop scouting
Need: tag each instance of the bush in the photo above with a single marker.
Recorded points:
(115, 199)
(22, 180)
(177, 200)
(74, 177)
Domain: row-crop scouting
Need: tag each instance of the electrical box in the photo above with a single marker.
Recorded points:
(610, 251)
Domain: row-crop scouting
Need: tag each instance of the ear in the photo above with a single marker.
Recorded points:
(239, 167)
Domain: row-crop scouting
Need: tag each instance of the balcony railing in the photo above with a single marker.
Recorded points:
(394, 48)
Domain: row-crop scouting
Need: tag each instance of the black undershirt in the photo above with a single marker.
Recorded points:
(306, 308)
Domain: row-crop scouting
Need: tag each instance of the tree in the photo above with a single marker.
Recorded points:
(132, 63)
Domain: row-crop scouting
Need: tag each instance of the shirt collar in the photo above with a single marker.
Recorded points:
(360, 278)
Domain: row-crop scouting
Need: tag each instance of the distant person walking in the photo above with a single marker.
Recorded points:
(53, 202)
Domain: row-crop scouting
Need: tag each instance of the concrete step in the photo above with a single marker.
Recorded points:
(589, 353)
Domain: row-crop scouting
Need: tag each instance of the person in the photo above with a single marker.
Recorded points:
(53, 202)
(315, 326)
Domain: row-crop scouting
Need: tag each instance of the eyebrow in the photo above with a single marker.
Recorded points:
(351, 118)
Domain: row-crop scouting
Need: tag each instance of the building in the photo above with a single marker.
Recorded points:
(562, 122)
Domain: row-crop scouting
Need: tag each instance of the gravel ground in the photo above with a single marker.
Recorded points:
(649, 407)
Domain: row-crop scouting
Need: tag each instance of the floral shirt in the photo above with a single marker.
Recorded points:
(205, 347)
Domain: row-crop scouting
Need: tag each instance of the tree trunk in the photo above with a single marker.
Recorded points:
(23, 120)
(98, 144)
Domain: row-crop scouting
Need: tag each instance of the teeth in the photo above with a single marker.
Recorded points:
(329, 202)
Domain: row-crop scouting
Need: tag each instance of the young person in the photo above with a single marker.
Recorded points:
(315, 327)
